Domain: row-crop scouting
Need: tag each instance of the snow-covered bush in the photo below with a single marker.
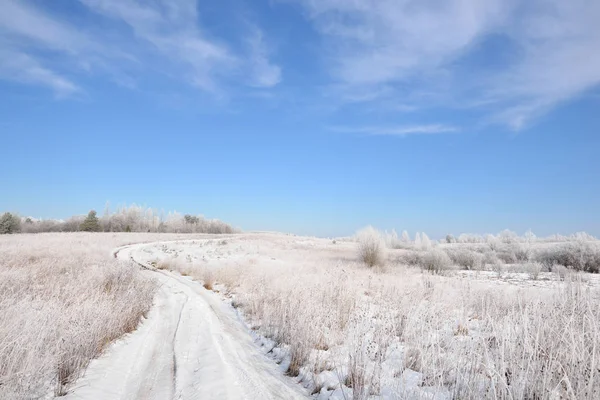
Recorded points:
(469, 238)
(534, 269)
(514, 252)
(493, 242)
(578, 255)
(490, 258)
(466, 258)
(371, 246)
(435, 261)
(507, 236)
(409, 258)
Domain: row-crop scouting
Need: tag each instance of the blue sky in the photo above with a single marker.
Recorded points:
(307, 116)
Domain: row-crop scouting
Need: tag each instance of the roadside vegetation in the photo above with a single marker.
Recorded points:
(63, 299)
(504, 317)
(377, 315)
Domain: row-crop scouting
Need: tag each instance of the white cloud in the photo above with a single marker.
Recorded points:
(264, 73)
(23, 68)
(159, 36)
(411, 45)
(170, 26)
(23, 21)
(397, 130)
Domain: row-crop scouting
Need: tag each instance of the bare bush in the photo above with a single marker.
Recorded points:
(435, 261)
(371, 247)
(466, 258)
(534, 270)
(490, 258)
(409, 257)
(579, 255)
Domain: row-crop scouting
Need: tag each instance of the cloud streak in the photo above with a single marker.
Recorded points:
(161, 36)
(397, 130)
(411, 46)
(20, 67)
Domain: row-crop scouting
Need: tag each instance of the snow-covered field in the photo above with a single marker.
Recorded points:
(337, 328)
(343, 330)
(63, 299)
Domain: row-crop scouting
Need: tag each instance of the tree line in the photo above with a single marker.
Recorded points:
(126, 219)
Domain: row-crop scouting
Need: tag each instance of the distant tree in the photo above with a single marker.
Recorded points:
(9, 223)
(418, 240)
(128, 228)
(405, 238)
(191, 219)
(90, 224)
(508, 237)
(450, 238)
(425, 242)
(530, 237)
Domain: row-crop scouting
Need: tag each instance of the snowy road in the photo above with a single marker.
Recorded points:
(191, 346)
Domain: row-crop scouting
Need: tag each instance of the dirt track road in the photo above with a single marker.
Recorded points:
(191, 346)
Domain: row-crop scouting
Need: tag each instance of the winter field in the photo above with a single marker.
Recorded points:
(265, 315)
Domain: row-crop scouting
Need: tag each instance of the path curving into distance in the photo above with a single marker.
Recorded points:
(191, 346)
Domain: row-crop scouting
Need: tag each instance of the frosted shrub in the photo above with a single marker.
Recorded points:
(579, 255)
(508, 237)
(371, 247)
(409, 258)
(493, 242)
(435, 261)
(534, 270)
(466, 258)
(522, 252)
(507, 255)
(490, 258)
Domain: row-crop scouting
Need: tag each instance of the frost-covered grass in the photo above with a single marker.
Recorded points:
(63, 299)
(348, 331)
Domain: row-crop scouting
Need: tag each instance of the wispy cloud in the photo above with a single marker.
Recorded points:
(161, 36)
(403, 46)
(397, 130)
(171, 28)
(24, 30)
(263, 72)
(22, 68)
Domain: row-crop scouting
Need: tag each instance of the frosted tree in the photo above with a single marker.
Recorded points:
(405, 237)
(418, 240)
(425, 242)
(530, 237)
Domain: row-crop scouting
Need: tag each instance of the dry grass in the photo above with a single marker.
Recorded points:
(371, 247)
(63, 299)
(454, 337)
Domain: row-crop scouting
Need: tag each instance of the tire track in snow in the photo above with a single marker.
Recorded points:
(190, 346)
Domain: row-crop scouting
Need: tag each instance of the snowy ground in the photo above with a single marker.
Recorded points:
(191, 346)
(282, 303)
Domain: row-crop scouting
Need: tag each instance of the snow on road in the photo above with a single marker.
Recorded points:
(190, 346)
